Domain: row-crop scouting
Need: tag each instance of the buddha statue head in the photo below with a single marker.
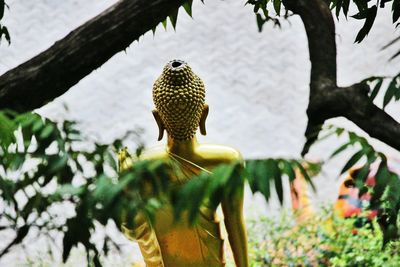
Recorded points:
(179, 98)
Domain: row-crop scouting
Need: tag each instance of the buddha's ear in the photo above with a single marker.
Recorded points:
(203, 118)
(160, 124)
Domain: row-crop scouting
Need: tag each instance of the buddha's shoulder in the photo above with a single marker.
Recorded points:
(219, 152)
(154, 153)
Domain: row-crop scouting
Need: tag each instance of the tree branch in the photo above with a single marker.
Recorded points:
(320, 28)
(51, 73)
(354, 104)
(327, 100)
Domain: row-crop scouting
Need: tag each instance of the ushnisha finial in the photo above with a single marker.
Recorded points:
(179, 97)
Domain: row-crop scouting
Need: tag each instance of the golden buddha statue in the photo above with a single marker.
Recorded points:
(179, 98)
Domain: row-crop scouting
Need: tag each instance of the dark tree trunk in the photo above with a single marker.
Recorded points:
(327, 99)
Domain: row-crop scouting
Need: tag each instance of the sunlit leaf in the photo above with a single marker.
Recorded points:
(164, 23)
(173, 17)
(7, 128)
(188, 7)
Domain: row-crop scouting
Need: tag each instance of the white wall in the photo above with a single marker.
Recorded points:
(257, 83)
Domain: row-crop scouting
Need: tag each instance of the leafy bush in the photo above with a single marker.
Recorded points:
(45, 165)
(321, 241)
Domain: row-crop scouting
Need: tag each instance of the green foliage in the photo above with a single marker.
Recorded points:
(44, 163)
(41, 165)
(227, 180)
(365, 12)
(262, 174)
(173, 17)
(262, 11)
(385, 193)
(320, 241)
(392, 92)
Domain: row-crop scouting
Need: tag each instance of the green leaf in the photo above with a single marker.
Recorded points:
(376, 89)
(369, 16)
(7, 128)
(21, 233)
(105, 191)
(277, 180)
(256, 8)
(390, 92)
(4, 32)
(173, 17)
(277, 6)
(26, 119)
(69, 190)
(47, 131)
(338, 7)
(304, 172)
(38, 125)
(250, 170)
(77, 231)
(262, 179)
(339, 131)
(265, 11)
(188, 7)
(345, 7)
(164, 23)
(395, 55)
(340, 149)
(260, 22)
(18, 161)
(353, 160)
(382, 177)
(332, 4)
(2, 4)
(111, 161)
(396, 83)
(288, 170)
(56, 163)
(362, 174)
(396, 10)
(361, 4)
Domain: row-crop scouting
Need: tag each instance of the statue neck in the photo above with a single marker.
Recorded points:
(182, 148)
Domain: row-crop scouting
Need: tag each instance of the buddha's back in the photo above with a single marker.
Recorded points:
(170, 242)
(175, 243)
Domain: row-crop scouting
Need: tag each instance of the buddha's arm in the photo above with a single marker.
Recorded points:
(301, 203)
(235, 227)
